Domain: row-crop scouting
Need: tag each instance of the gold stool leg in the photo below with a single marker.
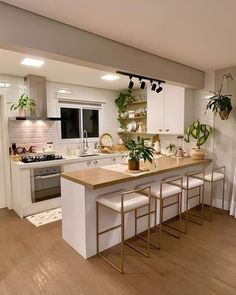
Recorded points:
(202, 208)
(223, 195)
(97, 225)
(122, 241)
(211, 204)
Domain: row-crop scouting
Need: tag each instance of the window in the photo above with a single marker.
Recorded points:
(76, 118)
(91, 122)
(70, 123)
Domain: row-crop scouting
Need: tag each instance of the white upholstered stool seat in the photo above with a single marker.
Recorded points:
(192, 183)
(123, 202)
(167, 190)
(131, 201)
(214, 177)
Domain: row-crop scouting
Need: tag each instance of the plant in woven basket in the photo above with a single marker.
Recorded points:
(198, 131)
(221, 103)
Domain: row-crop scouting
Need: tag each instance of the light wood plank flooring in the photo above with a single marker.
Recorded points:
(37, 261)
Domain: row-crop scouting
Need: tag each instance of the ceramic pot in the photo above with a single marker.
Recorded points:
(198, 154)
(22, 112)
(224, 115)
(133, 165)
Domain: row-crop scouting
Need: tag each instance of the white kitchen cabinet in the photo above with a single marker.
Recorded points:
(92, 163)
(166, 110)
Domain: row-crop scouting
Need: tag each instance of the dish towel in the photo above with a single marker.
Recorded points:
(233, 200)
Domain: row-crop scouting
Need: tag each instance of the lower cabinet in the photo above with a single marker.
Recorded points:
(92, 163)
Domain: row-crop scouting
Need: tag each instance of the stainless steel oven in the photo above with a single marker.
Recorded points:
(45, 183)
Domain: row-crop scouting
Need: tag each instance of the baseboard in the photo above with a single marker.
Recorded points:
(218, 204)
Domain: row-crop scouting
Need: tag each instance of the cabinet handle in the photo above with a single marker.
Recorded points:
(95, 162)
(114, 159)
(167, 130)
(88, 163)
(160, 130)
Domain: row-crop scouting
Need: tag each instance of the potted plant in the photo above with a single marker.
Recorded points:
(221, 103)
(122, 102)
(200, 132)
(137, 150)
(24, 104)
(171, 149)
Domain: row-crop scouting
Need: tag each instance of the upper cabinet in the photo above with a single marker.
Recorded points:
(166, 110)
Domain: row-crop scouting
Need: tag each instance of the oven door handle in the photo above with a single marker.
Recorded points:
(48, 176)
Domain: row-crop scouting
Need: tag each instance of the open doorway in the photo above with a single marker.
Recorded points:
(5, 187)
(2, 174)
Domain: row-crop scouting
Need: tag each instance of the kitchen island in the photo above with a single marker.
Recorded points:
(81, 188)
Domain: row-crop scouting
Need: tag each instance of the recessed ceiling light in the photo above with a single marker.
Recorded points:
(110, 77)
(64, 91)
(4, 84)
(32, 62)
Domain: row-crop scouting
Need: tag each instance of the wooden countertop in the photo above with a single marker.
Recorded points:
(98, 177)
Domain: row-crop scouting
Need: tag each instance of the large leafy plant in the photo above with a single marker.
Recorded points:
(24, 103)
(137, 150)
(219, 102)
(198, 131)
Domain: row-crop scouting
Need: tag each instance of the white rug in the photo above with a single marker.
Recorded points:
(45, 217)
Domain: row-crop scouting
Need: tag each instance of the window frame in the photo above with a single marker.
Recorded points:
(81, 106)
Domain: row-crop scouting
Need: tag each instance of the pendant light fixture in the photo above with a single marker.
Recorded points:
(131, 83)
(159, 89)
(142, 83)
(153, 85)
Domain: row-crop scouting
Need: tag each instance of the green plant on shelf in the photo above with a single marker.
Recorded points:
(122, 102)
(24, 103)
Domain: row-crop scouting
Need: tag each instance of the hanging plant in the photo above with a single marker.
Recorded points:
(221, 103)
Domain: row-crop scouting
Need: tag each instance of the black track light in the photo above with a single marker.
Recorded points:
(159, 89)
(142, 83)
(131, 83)
(153, 85)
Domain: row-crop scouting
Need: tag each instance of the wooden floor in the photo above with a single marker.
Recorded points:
(37, 261)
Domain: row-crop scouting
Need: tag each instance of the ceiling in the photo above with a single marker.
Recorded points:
(196, 33)
(10, 64)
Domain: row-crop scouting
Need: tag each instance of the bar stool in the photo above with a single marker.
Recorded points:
(123, 202)
(217, 174)
(193, 181)
(168, 189)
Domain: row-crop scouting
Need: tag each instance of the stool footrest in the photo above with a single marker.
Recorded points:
(136, 249)
(109, 229)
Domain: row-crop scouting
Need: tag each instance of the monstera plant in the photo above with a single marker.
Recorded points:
(200, 133)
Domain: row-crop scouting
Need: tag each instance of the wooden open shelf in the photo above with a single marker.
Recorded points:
(139, 102)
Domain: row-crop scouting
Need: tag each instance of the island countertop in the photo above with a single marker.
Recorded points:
(99, 177)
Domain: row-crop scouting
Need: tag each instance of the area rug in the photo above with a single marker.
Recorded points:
(45, 217)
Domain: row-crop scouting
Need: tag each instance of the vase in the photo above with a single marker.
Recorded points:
(22, 112)
(224, 115)
(133, 164)
(198, 154)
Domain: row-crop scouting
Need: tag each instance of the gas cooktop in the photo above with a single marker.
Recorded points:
(32, 159)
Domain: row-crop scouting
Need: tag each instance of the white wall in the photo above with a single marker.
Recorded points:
(225, 139)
